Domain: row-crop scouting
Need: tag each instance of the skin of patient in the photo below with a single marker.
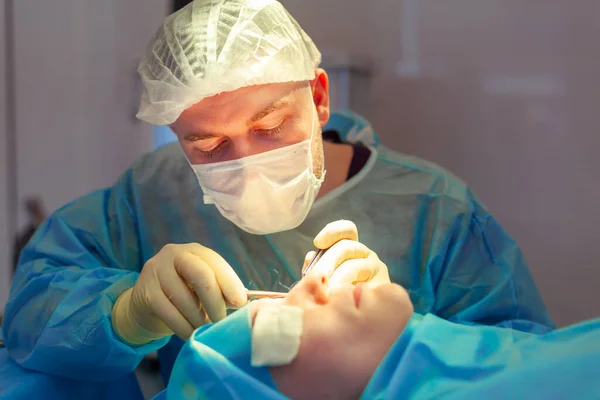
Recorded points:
(347, 331)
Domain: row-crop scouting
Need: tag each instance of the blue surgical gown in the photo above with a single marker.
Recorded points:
(18, 383)
(436, 238)
(432, 359)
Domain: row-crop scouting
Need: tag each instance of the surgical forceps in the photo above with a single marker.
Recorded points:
(264, 294)
(315, 260)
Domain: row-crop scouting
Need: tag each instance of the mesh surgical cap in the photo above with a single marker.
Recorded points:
(214, 46)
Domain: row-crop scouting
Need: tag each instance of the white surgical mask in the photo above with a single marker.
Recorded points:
(264, 193)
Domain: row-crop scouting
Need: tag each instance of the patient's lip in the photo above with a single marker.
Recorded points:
(357, 293)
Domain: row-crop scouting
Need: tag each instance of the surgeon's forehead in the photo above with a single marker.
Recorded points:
(253, 94)
(247, 105)
(249, 99)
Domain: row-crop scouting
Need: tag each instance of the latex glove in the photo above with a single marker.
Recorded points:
(182, 287)
(347, 260)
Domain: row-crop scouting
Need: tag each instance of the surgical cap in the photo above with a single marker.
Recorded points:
(215, 46)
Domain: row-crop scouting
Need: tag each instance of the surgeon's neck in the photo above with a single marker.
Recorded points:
(338, 157)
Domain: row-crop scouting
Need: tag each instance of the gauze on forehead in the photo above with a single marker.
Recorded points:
(276, 335)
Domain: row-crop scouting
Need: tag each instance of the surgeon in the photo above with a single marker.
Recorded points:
(364, 342)
(261, 167)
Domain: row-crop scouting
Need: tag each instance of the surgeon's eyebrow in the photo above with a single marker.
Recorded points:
(276, 105)
(198, 136)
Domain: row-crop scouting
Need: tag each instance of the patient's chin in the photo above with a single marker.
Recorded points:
(303, 388)
(304, 379)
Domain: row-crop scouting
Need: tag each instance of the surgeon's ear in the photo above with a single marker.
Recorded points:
(320, 89)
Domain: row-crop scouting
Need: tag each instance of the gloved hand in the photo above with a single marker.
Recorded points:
(347, 260)
(181, 288)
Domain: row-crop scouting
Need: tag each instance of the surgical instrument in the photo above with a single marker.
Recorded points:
(315, 260)
(264, 294)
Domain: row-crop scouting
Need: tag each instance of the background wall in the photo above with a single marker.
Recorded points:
(76, 92)
(505, 94)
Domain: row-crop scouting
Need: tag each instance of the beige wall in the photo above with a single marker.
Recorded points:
(504, 93)
(76, 63)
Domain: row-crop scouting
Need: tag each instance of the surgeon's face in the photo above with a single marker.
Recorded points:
(347, 332)
(255, 119)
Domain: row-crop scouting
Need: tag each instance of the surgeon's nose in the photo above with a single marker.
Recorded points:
(242, 147)
(316, 286)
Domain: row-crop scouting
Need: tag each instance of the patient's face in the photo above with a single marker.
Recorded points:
(347, 332)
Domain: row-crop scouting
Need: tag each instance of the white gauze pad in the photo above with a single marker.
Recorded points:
(276, 335)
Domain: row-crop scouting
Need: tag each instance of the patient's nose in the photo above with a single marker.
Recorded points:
(316, 286)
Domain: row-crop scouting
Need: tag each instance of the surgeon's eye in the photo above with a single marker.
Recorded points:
(213, 148)
(272, 131)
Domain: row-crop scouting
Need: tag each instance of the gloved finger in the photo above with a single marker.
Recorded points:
(334, 232)
(230, 284)
(171, 317)
(354, 271)
(230, 306)
(201, 279)
(178, 292)
(307, 259)
(339, 253)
